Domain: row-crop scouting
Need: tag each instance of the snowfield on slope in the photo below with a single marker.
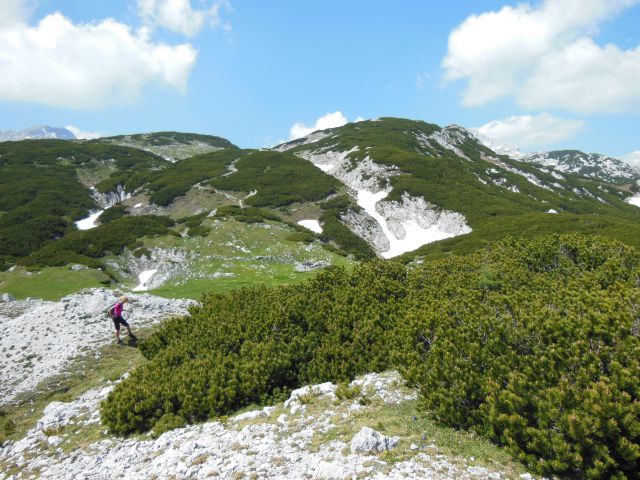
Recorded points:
(313, 225)
(89, 222)
(635, 200)
(412, 223)
(390, 227)
(295, 440)
(41, 337)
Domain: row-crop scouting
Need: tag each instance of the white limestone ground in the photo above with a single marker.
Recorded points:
(40, 337)
(287, 441)
(313, 225)
(89, 222)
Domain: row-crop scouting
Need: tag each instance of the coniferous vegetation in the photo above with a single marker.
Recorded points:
(40, 205)
(113, 213)
(334, 230)
(87, 246)
(534, 345)
(176, 180)
(278, 179)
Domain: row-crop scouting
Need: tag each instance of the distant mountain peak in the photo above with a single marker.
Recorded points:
(37, 133)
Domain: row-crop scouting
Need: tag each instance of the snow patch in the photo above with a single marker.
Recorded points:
(89, 222)
(313, 225)
(143, 279)
(635, 200)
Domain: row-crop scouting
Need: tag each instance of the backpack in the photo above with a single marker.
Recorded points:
(110, 311)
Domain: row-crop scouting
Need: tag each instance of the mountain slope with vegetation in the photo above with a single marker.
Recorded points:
(450, 169)
(171, 146)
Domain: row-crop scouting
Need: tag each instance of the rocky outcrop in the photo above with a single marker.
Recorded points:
(286, 441)
(363, 225)
(426, 215)
(368, 440)
(109, 199)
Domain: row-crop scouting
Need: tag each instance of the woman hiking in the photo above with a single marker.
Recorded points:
(115, 313)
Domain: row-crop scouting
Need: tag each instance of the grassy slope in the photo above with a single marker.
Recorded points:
(251, 253)
(51, 283)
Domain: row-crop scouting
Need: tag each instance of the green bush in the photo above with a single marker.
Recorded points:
(534, 345)
(305, 237)
(247, 214)
(87, 246)
(113, 213)
(278, 179)
(198, 231)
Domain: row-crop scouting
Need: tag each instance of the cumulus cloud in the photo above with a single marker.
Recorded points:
(179, 16)
(330, 120)
(529, 131)
(85, 66)
(632, 159)
(544, 56)
(12, 11)
(82, 134)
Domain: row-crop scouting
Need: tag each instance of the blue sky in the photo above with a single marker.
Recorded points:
(553, 74)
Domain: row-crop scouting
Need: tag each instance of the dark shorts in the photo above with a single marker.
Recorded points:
(117, 321)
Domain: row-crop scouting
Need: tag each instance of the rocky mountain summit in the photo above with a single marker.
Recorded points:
(590, 165)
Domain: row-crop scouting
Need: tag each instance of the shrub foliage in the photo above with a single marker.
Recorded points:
(532, 344)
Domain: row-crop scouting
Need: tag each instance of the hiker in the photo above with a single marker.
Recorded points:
(115, 313)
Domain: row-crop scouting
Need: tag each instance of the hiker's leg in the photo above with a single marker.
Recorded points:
(118, 334)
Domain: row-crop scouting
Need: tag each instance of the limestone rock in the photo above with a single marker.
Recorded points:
(369, 440)
(7, 297)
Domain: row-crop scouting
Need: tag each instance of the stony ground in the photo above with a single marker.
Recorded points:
(295, 440)
(39, 337)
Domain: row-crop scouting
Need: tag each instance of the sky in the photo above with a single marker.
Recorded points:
(539, 75)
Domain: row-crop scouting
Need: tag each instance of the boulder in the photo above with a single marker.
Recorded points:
(368, 440)
(7, 297)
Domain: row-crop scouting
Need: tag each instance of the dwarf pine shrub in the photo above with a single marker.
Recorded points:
(532, 344)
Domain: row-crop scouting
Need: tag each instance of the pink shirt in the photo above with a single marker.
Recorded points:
(117, 309)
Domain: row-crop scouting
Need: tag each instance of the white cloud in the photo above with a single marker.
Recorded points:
(86, 66)
(330, 120)
(529, 131)
(632, 159)
(12, 11)
(544, 56)
(83, 135)
(179, 16)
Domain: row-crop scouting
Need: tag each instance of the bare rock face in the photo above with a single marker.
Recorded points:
(368, 440)
(365, 226)
(421, 212)
(109, 199)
